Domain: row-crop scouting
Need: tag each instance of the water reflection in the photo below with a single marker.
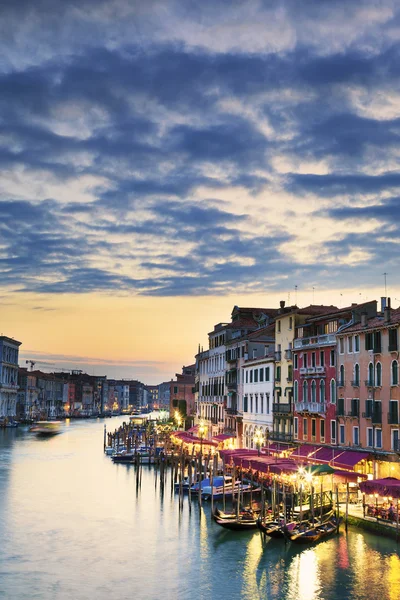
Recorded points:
(74, 525)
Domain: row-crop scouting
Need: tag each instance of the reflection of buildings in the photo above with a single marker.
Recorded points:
(9, 349)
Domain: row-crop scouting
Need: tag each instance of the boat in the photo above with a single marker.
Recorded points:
(220, 514)
(277, 528)
(218, 489)
(46, 428)
(246, 520)
(314, 533)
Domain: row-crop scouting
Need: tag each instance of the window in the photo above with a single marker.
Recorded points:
(333, 391)
(356, 343)
(393, 343)
(340, 407)
(322, 391)
(278, 374)
(296, 427)
(370, 374)
(261, 375)
(251, 403)
(370, 437)
(175, 389)
(255, 375)
(251, 376)
(247, 377)
(378, 438)
(333, 432)
(341, 434)
(279, 326)
(322, 429)
(357, 374)
(290, 322)
(341, 345)
(296, 391)
(341, 375)
(378, 378)
(350, 344)
(256, 403)
(266, 373)
(305, 391)
(262, 403)
(313, 428)
(332, 358)
(313, 361)
(296, 361)
(322, 358)
(313, 391)
(355, 407)
(305, 427)
(290, 373)
(267, 404)
(395, 440)
(395, 373)
(356, 436)
(305, 360)
(393, 412)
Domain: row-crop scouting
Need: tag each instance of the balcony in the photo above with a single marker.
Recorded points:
(355, 383)
(314, 372)
(371, 384)
(278, 355)
(231, 385)
(303, 371)
(278, 436)
(231, 411)
(353, 413)
(288, 354)
(230, 358)
(310, 407)
(279, 408)
(318, 340)
(367, 415)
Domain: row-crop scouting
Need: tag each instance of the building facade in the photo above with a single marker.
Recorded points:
(258, 396)
(9, 349)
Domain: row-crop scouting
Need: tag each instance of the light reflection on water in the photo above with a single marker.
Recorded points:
(73, 525)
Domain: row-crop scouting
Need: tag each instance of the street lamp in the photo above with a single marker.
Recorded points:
(258, 439)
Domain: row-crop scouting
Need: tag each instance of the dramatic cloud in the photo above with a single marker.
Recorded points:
(168, 148)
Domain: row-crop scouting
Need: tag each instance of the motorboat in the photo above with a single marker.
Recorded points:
(46, 428)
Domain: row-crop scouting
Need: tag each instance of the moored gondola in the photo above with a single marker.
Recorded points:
(315, 532)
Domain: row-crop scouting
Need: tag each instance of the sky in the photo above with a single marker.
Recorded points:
(162, 162)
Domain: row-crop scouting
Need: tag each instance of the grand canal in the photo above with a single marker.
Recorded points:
(75, 526)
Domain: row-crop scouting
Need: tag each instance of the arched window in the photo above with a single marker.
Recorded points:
(395, 372)
(296, 391)
(357, 374)
(305, 391)
(313, 391)
(333, 391)
(370, 374)
(341, 376)
(378, 376)
(322, 391)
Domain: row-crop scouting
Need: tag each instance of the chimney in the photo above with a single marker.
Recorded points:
(363, 319)
(282, 304)
(386, 314)
(383, 304)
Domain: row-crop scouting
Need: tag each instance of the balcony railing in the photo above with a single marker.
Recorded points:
(231, 411)
(328, 339)
(277, 407)
(278, 355)
(310, 407)
(303, 370)
(231, 385)
(288, 354)
(278, 436)
(355, 382)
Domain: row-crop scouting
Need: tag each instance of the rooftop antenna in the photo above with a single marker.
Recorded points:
(295, 295)
(313, 290)
(385, 275)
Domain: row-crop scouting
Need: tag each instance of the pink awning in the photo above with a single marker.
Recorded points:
(326, 455)
(389, 486)
(305, 451)
(349, 458)
(222, 437)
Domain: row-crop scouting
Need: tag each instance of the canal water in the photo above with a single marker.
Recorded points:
(75, 526)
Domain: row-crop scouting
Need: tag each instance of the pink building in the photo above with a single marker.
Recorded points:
(368, 383)
(314, 372)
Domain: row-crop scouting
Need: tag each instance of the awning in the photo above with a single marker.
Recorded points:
(326, 455)
(316, 470)
(276, 447)
(222, 437)
(304, 451)
(389, 486)
(349, 459)
(345, 476)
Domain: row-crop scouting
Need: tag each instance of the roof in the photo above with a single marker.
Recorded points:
(269, 330)
(347, 309)
(377, 322)
(4, 338)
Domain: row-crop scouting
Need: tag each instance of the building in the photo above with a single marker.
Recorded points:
(286, 324)
(368, 383)
(314, 371)
(182, 395)
(9, 349)
(258, 395)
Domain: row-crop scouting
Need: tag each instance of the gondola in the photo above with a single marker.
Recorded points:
(245, 520)
(275, 528)
(314, 533)
(220, 514)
